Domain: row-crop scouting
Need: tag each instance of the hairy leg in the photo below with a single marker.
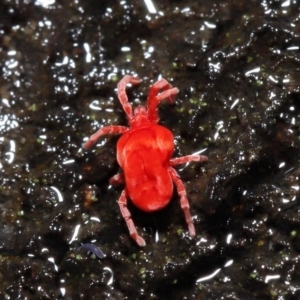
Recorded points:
(123, 96)
(127, 217)
(114, 129)
(153, 98)
(184, 203)
(187, 158)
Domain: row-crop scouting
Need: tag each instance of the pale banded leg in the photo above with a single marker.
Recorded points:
(187, 158)
(153, 98)
(123, 96)
(114, 129)
(184, 203)
(127, 217)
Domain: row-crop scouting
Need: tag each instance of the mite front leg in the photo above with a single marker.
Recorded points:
(127, 217)
(162, 84)
(123, 96)
(184, 203)
(114, 129)
(153, 98)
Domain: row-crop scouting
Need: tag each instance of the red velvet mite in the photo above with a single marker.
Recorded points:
(144, 153)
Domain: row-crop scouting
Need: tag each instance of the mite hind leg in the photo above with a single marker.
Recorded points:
(127, 217)
(184, 203)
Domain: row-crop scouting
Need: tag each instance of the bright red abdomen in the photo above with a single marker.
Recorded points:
(144, 156)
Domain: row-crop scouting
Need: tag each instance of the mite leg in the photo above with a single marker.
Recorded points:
(186, 159)
(117, 179)
(127, 217)
(114, 129)
(184, 203)
(153, 98)
(123, 96)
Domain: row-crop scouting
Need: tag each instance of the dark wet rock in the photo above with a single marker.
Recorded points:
(237, 68)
